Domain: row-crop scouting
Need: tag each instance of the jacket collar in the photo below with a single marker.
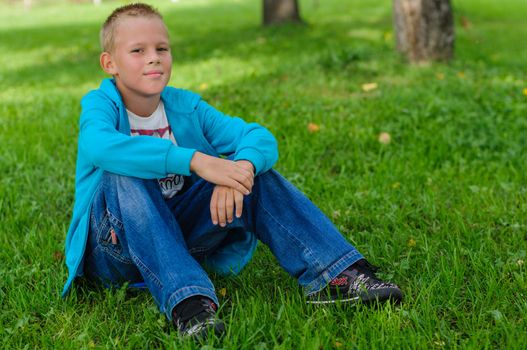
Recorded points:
(110, 89)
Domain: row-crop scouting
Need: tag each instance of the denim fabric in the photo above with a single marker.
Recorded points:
(165, 243)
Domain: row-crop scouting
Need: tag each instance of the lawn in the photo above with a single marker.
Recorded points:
(442, 207)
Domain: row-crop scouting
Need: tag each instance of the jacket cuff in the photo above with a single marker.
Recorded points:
(178, 160)
(252, 156)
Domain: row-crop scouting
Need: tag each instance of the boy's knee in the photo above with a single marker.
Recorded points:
(113, 179)
(109, 177)
(270, 175)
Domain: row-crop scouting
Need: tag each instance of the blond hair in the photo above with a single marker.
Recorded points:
(107, 33)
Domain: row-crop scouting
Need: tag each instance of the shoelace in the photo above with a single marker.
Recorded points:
(366, 278)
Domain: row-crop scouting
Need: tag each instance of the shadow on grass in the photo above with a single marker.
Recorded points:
(68, 54)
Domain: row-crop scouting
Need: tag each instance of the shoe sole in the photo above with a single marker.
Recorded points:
(394, 296)
(333, 301)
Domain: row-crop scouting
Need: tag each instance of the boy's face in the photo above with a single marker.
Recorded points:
(140, 61)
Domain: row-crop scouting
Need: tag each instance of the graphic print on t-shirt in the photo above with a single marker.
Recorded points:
(156, 125)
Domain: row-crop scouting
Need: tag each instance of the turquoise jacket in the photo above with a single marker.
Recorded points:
(105, 144)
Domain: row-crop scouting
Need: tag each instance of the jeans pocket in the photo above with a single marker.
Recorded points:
(110, 229)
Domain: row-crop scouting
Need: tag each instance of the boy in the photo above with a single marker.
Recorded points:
(156, 197)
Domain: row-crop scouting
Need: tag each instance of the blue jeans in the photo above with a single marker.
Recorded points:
(162, 242)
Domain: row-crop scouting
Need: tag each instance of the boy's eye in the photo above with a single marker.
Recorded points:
(137, 50)
(162, 49)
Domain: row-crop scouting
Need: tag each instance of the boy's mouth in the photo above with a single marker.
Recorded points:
(154, 73)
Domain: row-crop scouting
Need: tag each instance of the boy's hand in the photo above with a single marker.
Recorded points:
(247, 165)
(222, 204)
(235, 175)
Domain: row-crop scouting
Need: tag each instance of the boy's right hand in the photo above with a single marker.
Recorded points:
(222, 172)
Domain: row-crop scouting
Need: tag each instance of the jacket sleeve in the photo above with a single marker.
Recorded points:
(140, 156)
(233, 136)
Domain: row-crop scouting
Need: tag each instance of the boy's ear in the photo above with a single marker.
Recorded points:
(106, 62)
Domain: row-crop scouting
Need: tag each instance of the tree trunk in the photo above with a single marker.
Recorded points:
(424, 29)
(280, 11)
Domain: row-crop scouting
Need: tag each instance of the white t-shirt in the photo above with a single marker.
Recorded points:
(157, 125)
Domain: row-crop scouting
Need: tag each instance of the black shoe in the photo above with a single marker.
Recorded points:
(196, 317)
(357, 283)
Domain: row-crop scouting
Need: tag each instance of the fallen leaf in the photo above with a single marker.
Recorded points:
(338, 344)
(223, 292)
(396, 185)
(440, 76)
(461, 75)
(203, 86)
(388, 36)
(385, 138)
(411, 243)
(369, 87)
(525, 91)
(312, 127)
(57, 255)
(465, 22)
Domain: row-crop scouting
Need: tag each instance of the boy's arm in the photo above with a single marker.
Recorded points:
(233, 136)
(148, 157)
(139, 156)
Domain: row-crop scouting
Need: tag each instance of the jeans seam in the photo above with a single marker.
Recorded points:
(145, 269)
(116, 255)
(113, 220)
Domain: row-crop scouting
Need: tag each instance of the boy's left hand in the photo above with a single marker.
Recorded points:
(225, 200)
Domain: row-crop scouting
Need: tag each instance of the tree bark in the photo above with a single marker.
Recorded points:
(280, 11)
(424, 29)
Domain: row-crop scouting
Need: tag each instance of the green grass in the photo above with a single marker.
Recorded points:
(442, 208)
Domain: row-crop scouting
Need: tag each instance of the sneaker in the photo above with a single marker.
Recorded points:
(196, 317)
(357, 283)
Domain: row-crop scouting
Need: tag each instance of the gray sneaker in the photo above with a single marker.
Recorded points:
(357, 283)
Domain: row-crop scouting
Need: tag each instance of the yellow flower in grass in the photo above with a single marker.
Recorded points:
(369, 87)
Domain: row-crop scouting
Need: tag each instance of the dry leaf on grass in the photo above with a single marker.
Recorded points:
(312, 127)
(385, 138)
(369, 87)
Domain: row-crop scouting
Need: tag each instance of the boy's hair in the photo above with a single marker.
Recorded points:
(131, 10)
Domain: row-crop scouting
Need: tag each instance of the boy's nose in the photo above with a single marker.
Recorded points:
(154, 58)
